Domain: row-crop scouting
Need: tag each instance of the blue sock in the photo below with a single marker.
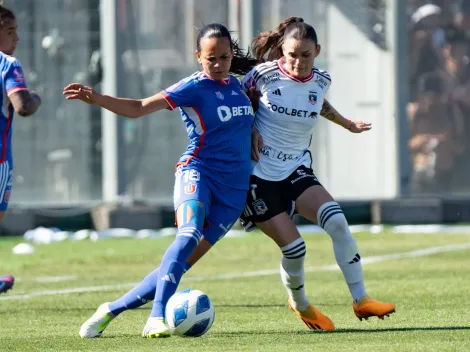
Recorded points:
(173, 266)
(138, 296)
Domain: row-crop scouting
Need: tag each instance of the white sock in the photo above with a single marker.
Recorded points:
(331, 218)
(292, 273)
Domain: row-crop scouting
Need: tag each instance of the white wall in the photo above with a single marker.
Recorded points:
(357, 166)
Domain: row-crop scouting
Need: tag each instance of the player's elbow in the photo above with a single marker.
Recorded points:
(25, 103)
(22, 112)
(25, 111)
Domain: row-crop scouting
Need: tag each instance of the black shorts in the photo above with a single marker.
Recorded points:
(266, 199)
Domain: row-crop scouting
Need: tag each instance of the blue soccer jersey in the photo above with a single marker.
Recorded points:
(12, 81)
(218, 118)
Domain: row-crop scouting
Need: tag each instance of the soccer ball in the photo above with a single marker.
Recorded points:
(189, 313)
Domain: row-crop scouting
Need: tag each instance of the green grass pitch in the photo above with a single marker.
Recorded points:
(431, 293)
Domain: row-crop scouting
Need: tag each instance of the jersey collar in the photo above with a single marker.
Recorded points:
(224, 81)
(280, 65)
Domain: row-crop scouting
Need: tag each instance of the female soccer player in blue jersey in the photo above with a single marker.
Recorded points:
(212, 175)
(15, 97)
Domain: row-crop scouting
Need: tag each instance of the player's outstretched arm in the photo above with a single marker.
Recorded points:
(330, 113)
(131, 108)
(25, 102)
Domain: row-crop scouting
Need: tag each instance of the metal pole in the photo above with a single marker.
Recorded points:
(402, 95)
(111, 128)
(233, 24)
(275, 13)
(190, 30)
(247, 29)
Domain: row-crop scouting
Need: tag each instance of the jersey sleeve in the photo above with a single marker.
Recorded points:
(182, 93)
(14, 78)
(248, 81)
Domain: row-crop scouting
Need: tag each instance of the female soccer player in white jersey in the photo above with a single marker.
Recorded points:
(15, 97)
(212, 176)
(292, 97)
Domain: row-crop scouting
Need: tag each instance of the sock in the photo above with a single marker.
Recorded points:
(173, 266)
(139, 295)
(292, 273)
(331, 218)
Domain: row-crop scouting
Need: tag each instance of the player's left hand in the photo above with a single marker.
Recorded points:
(359, 126)
(254, 96)
(256, 144)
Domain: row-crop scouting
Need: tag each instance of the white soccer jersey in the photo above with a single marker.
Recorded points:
(288, 110)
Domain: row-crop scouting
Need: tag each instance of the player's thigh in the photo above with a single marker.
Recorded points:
(281, 229)
(308, 203)
(191, 196)
(303, 187)
(226, 205)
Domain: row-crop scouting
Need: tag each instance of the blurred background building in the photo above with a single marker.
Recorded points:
(403, 65)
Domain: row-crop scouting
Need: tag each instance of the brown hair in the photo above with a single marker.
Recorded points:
(268, 45)
(5, 14)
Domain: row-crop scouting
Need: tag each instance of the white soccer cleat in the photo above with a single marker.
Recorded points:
(95, 326)
(155, 328)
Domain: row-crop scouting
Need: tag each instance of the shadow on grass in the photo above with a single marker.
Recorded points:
(238, 334)
(341, 331)
(274, 305)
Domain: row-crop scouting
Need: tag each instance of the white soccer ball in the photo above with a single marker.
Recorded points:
(189, 313)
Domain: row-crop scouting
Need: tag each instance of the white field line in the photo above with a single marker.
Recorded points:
(44, 279)
(366, 260)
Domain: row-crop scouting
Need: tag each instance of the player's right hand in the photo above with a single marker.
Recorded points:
(77, 91)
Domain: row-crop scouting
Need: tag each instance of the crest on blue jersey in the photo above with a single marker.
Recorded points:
(219, 95)
(260, 207)
(312, 97)
(18, 75)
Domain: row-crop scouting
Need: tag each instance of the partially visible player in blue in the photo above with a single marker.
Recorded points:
(6, 283)
(14, 97)
(212, 175)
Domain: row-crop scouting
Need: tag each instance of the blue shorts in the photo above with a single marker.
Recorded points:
(223, 205)
(6, 181)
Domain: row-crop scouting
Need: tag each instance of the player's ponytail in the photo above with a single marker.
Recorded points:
(5, 14)
(268, 45)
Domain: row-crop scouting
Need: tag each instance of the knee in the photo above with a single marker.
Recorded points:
(338, 224)
(331, 218)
